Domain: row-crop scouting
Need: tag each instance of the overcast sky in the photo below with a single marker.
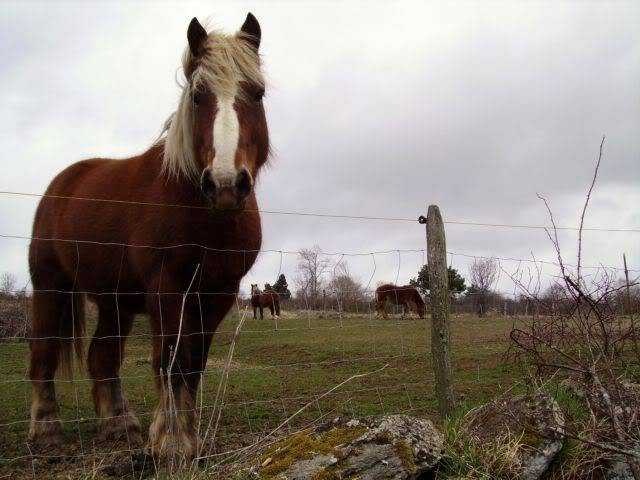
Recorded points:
(374, 109)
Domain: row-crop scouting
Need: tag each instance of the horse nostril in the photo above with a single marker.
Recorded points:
(207, 184)
(244, 183)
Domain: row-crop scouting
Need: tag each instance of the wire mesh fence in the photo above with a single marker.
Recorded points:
(276, 374)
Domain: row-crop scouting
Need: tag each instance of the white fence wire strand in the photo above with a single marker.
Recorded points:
(329, 215)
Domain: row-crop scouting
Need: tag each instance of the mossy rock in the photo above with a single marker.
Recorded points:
(395, 447)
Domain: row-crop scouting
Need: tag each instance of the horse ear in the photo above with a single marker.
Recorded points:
(196, 35)
(251, 28)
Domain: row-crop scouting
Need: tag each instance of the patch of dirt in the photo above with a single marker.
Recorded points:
(73, 459)
(219, 363)
(211, 363)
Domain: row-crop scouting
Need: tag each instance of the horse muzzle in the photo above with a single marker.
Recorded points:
(228, 192)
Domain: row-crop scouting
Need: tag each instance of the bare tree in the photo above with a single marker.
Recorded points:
(7, 283)
(555, 299)
(348, 291)
(483, 274)
(311, 270)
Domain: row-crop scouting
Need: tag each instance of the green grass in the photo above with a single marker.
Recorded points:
(275, 372)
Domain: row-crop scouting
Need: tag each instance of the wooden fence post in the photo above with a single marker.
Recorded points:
(439, 296)
(324, 301)
(626, 276)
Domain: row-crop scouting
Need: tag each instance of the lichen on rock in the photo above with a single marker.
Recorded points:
(313, 449)
(394, 447)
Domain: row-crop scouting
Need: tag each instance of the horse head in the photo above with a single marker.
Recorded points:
(218, 136)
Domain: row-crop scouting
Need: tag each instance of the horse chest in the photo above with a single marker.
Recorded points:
(223, 250)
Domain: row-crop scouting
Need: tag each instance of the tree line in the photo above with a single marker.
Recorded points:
(321, 285)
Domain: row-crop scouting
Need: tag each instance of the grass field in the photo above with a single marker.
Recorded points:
(274, 373)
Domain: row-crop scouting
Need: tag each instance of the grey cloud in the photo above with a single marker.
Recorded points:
(372, 111)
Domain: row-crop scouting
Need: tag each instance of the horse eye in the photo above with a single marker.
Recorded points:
(197, 98)
(258, 95)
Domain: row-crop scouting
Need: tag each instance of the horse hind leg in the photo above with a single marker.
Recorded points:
(115, 419)
(57, 318)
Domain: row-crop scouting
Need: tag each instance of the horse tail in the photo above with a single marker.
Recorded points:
(277, 303)
(379, 294)
(71, 334)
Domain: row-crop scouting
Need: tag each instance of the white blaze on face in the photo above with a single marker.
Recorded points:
(226, 132)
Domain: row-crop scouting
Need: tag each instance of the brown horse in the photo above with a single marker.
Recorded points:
(170, 233)
(404, 295)
(268, 298)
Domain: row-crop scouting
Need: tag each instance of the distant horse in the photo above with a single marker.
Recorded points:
(268, 298)
(399, 295)
(170, 233)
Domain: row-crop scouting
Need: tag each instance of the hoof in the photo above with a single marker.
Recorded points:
(173, 438)
(178, 445)
(124, 428)
(46, 433)
(172, 433)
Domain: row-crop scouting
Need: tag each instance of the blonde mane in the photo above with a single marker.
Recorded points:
(225, 63)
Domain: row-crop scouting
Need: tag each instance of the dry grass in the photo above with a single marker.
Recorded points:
(471, 457)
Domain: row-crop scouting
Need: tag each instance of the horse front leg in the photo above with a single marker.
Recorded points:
(172, 433)
(199, 345)
(115, 420)
(205, 319)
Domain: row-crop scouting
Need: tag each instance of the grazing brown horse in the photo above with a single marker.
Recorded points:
(404, 295)
(268, 298)
(170, 233)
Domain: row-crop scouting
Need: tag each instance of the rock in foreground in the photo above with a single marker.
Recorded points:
(394, 447)
(533, 419)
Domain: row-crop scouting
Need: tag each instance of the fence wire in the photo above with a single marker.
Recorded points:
(279, 364)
